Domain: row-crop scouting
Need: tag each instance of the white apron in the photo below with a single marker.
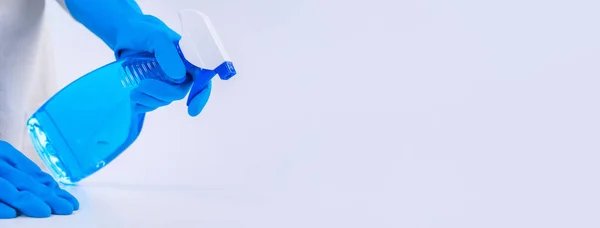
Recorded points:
(27, 77)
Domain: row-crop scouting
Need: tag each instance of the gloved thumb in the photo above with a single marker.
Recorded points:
(198, 103)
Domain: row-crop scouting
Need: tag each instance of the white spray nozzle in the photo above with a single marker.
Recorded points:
(199, 42)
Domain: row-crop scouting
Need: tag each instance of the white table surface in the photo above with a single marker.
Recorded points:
(384, 114)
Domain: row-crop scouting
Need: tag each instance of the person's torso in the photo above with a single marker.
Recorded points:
(26, 72)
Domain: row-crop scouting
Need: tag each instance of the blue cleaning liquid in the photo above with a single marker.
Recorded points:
(91, 121)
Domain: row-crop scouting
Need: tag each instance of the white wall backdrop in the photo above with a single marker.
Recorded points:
(413, 113)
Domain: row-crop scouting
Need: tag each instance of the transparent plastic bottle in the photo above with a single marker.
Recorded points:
(90, 122)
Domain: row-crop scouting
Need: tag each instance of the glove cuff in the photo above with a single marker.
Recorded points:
(104, 18)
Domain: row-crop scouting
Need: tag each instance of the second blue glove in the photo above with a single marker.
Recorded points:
(25, 189)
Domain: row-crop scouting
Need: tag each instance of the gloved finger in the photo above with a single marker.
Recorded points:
(199, 102)
(167, 56)
(24, 182)
(60, 206)
(7, 212)
(164, 91)
(138, 96)
(69, 197)
(23, 201)
(15, 158)
(50, 183)
(44, 179)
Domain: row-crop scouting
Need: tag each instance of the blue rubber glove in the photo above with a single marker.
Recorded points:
(122, 25)
(25, 189)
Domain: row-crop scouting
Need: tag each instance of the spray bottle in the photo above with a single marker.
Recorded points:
(90, 122)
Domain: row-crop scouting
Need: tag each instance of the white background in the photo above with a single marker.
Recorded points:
(411, 113)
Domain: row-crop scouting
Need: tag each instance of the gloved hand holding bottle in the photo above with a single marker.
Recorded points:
(123, 26)
(25, 189)
(154, 67)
